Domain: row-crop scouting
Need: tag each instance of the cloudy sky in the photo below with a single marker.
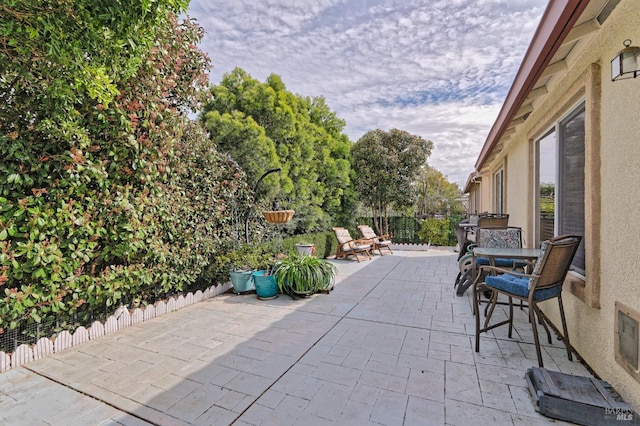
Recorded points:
(435, 68)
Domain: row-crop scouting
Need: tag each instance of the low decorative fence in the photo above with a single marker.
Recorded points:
(405, 229)
(121, 319)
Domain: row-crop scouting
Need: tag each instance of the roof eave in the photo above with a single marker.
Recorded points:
(557, 20)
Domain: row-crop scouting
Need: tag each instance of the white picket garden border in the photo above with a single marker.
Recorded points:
(121, 319)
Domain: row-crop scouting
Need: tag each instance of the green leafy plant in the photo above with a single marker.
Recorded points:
(264, 125)
(305, 274)
(435, 231)
(248, 257)
(109, 193)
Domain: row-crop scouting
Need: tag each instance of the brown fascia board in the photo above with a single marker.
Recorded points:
(557, 20)
(472, 180)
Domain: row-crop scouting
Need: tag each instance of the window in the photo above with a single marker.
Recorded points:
(560, 182)
(571, 182)
(546, 178)
(498, 191)
(476, 200)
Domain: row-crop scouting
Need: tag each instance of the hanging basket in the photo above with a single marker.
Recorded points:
(278, 216)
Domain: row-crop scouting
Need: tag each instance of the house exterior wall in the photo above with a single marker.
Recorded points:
(518, 183)
(612, 192)
(482, 194)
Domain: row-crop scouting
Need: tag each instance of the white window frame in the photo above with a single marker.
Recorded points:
(498, 191)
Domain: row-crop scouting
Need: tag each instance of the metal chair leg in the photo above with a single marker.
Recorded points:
(488, 310)
(476, 314)
(542, 320)
(510, 316)
(565, 337)
(532, 319)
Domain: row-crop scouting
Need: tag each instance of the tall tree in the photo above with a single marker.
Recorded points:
(246, 142)
(386, 165)
(436, 195)
(309, 144)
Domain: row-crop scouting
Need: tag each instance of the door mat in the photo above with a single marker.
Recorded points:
(582, 400)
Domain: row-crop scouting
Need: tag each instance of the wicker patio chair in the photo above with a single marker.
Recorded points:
(543, 283)
(486, 220)
(510, 237)
(493, 220)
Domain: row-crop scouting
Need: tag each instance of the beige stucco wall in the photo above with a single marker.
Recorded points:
(612, 186)
(620, 195)
(518, 189)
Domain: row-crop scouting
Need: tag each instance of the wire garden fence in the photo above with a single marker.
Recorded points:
(405, 229)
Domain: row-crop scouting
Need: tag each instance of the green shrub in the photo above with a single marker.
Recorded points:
(435, 231)
(325, 243)
(105, 201)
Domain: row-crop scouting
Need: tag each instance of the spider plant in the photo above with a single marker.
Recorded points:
(304, 274)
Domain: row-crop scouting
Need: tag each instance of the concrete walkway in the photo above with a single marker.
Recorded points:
(390, 345)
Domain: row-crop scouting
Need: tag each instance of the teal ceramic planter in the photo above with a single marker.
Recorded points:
(266, 285)
(242, 281)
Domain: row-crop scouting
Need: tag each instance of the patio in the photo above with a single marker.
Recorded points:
(390, 345)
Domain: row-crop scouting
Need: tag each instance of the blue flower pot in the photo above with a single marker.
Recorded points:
(266, 285)
(242, 281)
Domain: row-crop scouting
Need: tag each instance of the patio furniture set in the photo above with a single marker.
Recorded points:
(493, 262)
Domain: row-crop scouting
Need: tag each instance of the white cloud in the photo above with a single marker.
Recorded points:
(436, 68)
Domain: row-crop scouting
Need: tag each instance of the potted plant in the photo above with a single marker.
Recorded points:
(305, 249)
(242, 263)
(266, 284)
(305, 275)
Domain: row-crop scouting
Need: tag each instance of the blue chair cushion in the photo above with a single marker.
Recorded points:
(519, 286)
(502, 263)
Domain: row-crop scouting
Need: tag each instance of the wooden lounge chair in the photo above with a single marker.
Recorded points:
(377, 242)
(347, 246)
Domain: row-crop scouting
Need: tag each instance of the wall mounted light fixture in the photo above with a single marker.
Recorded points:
(626, 64)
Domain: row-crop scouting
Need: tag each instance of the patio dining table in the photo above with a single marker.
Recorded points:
(493, 253)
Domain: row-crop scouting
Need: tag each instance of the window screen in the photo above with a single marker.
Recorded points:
(571, 180)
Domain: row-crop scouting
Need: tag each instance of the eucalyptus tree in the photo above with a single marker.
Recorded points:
(386, 166)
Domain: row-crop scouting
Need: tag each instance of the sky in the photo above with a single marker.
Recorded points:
(440, 69)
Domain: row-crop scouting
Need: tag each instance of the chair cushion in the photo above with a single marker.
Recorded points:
(360, 247)
(502, 263)
(510, 237)
(383, 243)
(538, 265)
(519, 286)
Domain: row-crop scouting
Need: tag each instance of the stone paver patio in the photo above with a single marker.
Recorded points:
(390, 345)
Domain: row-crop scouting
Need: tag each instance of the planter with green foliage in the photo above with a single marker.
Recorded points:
(242, 262)
(266, 285)
(435, 231)
(242, 281)
(305, 275)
